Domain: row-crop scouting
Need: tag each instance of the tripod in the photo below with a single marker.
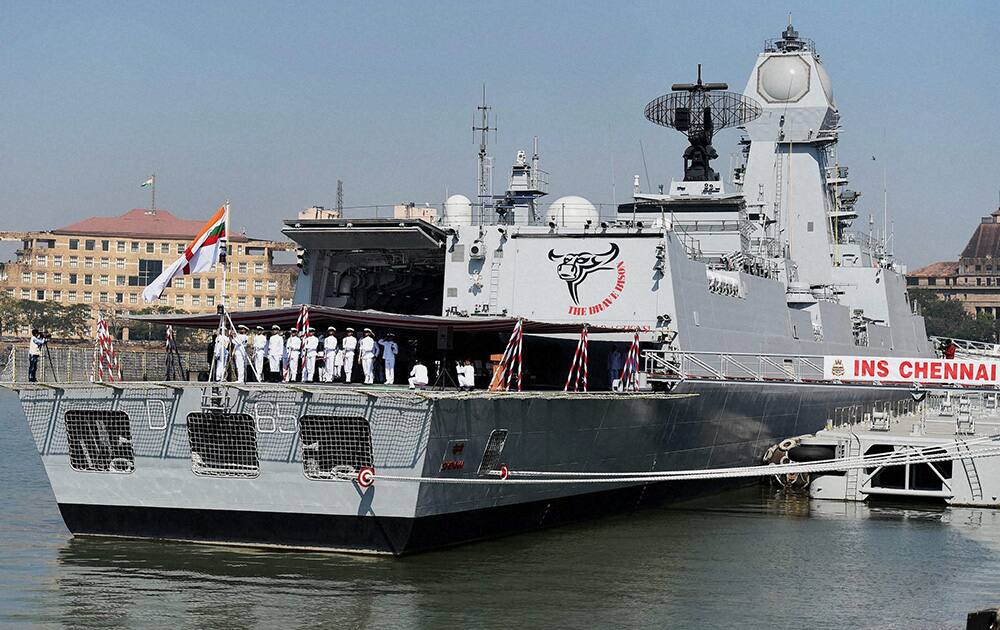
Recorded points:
(444, 378)
(50, 363)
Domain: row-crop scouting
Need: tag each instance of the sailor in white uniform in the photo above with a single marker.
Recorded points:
(310, 345)
(330, 350)
(388, 351)
(240, 342)
(275, 353)
(259, 344)
(418, 375)
(368, 353)
(466, 375)
(220, 355)
(293, 349)
(350, 345)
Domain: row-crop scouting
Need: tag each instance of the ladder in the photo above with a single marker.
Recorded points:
(970, 471)
(853, 450)
(215, 398)
(494, 284)
(779, 167)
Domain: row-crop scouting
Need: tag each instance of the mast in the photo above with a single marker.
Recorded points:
(484, 178)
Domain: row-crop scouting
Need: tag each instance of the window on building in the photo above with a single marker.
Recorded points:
(148, 271)
(135, 246)
(164, 248)
(89, 244)
(74, 243)
(150, 248)
(72, 278)
(119, 281)
(105, 246)
(286, 301)
(88, 296)
(178, 283)
(25, 294)
(133, 298)
(931, 281)
(120, 246)
(241, 302)
(57, 261)
(56, 278)
(104, 280)
(911, 282)
(242, 267)
(88, 279)
(119, 263)
(57, 295)
(26, 277)
(256, 302)
(210, 300)
(180, 248)
(195, 283)
(42, 261)
(258, 267)
(119, 297)
(242, 285)
(71, 295)
(979, 282)
(179, 300)
(103, 297)
(211, 284)
(40, 294)
(74, 261)
(979, 267)
(40, 277)
(258, 285)
(195, 300)
(88, 262)
(105, 263)
(270, 301)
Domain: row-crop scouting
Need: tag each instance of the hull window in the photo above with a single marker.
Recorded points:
(100, 441)
(223, 444)
(493, 452)
(335, 447)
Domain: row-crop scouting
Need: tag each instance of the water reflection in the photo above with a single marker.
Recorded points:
(756, 553)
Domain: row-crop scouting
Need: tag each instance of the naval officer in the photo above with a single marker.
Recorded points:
(368, 352)
(275, 353)
(310, 346)
(330, 350)
(240, 341)
(259, 344)
(350, 345)
(389, 350)
(293, 351)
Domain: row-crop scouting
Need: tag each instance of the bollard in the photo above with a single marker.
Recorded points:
(986, 619)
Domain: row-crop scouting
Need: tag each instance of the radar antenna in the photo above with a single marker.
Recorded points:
(698, 110)
(485, 176)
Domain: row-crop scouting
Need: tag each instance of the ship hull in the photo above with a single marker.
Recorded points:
(701, 424)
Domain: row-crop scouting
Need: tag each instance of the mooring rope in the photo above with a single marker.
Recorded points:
(924, 455)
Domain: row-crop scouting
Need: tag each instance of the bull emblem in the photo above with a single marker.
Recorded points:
(574, 268)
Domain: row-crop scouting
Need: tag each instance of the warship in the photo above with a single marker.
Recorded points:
(734, 290)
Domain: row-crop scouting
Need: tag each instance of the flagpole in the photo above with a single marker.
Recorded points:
(225, 259)
(152, 203)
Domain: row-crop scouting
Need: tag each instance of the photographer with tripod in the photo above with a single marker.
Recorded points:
(38, 340)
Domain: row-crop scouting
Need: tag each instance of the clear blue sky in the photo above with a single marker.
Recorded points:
(270, 103)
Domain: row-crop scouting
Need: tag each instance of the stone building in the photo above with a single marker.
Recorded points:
(974, 279)
(107, 261)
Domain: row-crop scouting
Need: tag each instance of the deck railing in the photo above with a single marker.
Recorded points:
(75, 364)
(679, 364)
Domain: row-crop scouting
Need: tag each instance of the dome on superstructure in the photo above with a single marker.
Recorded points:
(783, 78)
(824, 80)
(457, 210)
(572, 210)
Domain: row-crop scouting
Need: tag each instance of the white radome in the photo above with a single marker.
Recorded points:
(572, 210)
(458, 210)
(783, 79)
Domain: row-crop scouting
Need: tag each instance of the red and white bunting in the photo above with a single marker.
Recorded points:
(504, 375)
(106, 366)
(579, 367)
(630, 372)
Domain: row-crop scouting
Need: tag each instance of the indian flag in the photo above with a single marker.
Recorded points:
(148, 182)
(199, 256)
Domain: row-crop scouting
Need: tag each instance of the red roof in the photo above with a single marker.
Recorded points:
(936, 270)
(141, 223)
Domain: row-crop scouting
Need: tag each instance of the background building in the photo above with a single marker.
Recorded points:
(974, 279)
(105, 262)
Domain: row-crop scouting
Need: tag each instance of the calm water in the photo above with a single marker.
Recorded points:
(751, 558)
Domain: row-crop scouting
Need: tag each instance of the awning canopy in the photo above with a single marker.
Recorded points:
(322, 316)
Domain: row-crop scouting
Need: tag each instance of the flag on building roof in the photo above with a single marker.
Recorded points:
(199, 256)
(148, 182)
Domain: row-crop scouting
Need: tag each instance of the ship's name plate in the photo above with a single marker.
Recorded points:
(911, 370)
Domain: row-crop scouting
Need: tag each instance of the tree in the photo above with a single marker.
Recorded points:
(948, 318)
